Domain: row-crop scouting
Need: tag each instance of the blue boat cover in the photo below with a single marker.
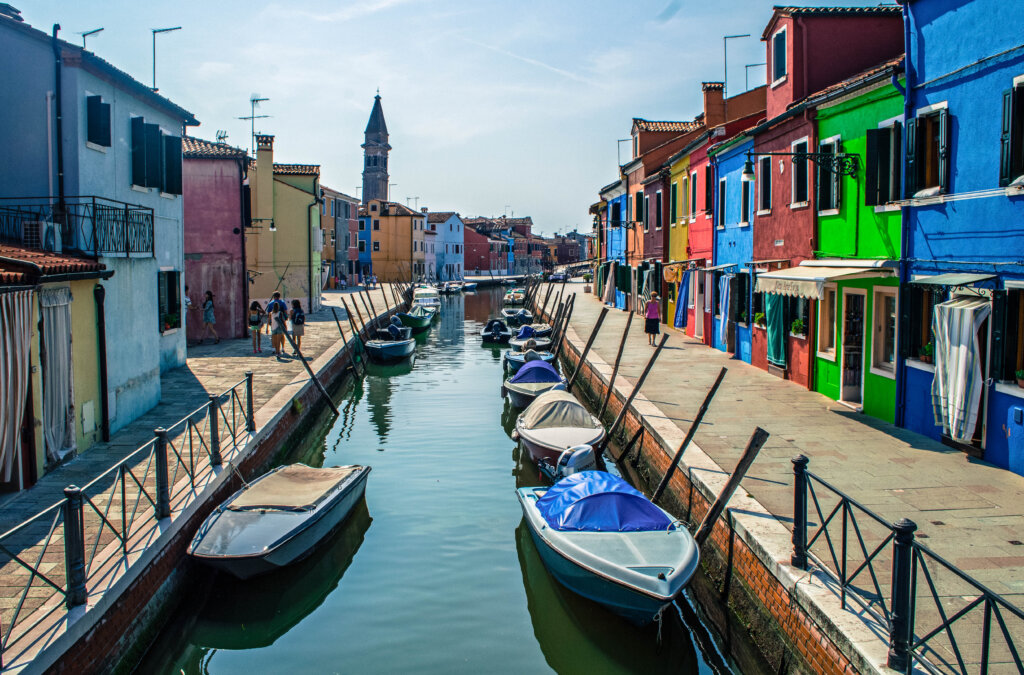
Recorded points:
(595, 501)
(526, 332)
(536, 371)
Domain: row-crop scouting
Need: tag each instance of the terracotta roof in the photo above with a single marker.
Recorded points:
(197, 148)
(297, 169)
(873, 9)
(338, 195)
(439, 216)
(650, 125)
(891, 64)
(49, 263)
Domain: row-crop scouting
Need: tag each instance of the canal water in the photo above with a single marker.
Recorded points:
(435, 572)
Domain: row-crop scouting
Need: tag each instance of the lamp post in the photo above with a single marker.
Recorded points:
(155, 31)
(842, 163)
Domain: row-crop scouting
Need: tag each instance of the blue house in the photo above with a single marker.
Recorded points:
(94, 169)
(962, 290)
(450, 255)
(614, 195)
(363, 245)
(733, 248)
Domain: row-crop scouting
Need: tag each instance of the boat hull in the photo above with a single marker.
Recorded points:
(387, 351)
(550, 453)
(523, 399)
(515, 360)
(417, 323)
(543, 343)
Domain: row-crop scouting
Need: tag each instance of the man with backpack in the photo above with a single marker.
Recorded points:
(277, 311)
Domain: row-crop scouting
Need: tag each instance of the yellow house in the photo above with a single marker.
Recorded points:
(283, 242)
(391, 227)
(679, 220)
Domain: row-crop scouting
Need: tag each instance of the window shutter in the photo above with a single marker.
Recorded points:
(997, 358)
(872, 184)
(709, 188)
(837, 180)
(154, 157)
(172, 165)
(97, 121)
(1017, 133)
(138, 151)
(909, 308)
(673, 203)
(944, 164)
(912, 164)
(1005, 146)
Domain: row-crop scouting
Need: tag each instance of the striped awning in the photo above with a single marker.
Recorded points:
(807, 281)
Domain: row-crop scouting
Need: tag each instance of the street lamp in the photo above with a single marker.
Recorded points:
(842, 163)
(155, 31)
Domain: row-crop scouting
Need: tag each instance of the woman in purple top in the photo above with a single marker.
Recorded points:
(653, 314)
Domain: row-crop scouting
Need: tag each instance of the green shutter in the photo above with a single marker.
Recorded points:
(1005, 147)
(673, 202)
(944, 164)
(872, 184)
(138, 151)
(912, 161)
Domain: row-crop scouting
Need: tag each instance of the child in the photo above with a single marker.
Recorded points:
(256, 315)
(298, 319)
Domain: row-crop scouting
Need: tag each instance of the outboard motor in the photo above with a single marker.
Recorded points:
(575, 460)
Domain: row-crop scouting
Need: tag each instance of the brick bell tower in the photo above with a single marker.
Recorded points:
(375, 155)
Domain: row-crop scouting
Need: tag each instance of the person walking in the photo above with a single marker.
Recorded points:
(256, 316)
(277, 312)
(653, 318)
(298, 319)
(209, 320)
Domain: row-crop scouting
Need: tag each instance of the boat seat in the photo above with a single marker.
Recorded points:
(297, 487)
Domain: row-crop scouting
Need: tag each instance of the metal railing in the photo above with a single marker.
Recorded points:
(936, 615)
(88, 539)
(89, 226)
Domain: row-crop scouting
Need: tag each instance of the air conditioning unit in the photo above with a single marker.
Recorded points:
(41, 234)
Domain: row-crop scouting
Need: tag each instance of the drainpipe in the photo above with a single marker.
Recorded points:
(99, 293)
(60, 116)
(309, 240)
(901, 374)
(242, 172)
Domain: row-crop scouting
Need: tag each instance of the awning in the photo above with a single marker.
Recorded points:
(953, 279)
(720, 267)
(806, 281)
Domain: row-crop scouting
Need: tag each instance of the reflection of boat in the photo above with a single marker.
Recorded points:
(533, 379)
(496, 331)
(392, 344)
(515, 360)
(394, 368)
(418, 318)
(556, 421)
(255, 613)
(603, 539)
(278, 518)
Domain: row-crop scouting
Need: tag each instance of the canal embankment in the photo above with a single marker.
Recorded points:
(965, 511)
(89, 574)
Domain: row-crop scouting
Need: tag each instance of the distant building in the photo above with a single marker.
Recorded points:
(375, 155)
(339, 220)
(386, 234)
(484, 253)
(450, 256)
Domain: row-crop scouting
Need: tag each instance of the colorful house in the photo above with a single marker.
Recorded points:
(390, 227)
(339, 224)
(614, 221)
(450, 256)
(963, 244)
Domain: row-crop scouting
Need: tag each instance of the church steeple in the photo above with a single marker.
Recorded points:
(375, 154)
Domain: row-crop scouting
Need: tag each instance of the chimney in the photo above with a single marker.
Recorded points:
(423, 209)
(714, 103)
(264, 205)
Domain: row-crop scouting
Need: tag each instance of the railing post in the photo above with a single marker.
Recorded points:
(214, 412)
(74, 547)
(250, 423)
(163, 489)
(901, 623)
(799, 557)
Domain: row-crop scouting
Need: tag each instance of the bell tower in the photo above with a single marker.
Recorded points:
(375, 154)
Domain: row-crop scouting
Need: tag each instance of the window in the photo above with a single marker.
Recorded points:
(764, 184)
(779, 55)
(647, 213)
(373, 207)
(827, 324)
(362, 225)
(673, 203)
(744, 202)
(362, 247)
(709, 189)
(928, 153)
(376, 246)
(915, 306)
(882, 170)
(156, 158)
(796, 308)
(685, 210)
(97, 114)
(829, 182)
(721, 203)
(883, 340)
(376, 223)
(739, 298)
(1011, 139)
(1007, 333)
(636, 147)
(640, 209)
(693, 195)
(169, 300)
(800, 175)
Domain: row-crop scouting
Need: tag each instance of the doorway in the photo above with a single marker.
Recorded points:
(852, 387)
(698, 304)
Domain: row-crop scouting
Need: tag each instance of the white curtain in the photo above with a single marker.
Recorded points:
(58, 381)
(15, 342)
(723, 306)
(958, 382)
(609, 285)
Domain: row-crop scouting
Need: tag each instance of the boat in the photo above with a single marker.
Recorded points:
(418, 318)
(536, 377)
(541, 329)
(515, 360)
(519, 317)
(426, 296)
(556, 421)
(515, 296)
(393, 343)
(603, 539)
(572, 460)
(468, 286)
(278, 519)
(527, 339)
(496, 331)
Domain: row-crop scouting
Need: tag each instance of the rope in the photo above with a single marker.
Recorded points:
(657, 619)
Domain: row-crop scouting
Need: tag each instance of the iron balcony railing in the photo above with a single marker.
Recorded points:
(938, 618)
(96, 533)
(87, 226)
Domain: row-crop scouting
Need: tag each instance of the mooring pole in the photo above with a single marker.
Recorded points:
(375, 320)
(636, 390)
(345, 347)
(689, 435)
(547, 296)
(615, 368)
(565, 325)
(586, 350)
(368, 323)
(351, 322)
(757, 440)
(312, 375)
(637, 435)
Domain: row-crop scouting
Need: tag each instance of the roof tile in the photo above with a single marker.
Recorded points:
(49, 263)
(197, 148)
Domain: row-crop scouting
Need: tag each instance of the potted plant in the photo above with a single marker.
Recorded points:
(743, 316)
(1020, 378)
(759, 319)
(797, 327)
(926, 353)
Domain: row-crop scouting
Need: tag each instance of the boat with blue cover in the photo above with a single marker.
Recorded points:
(525, 335)
(515, 360)
(533, 379)
(518, 317)
(603, 539)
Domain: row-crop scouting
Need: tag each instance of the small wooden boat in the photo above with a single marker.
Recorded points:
(515, 296)
(391, 344)
(278, 518)
(533, 379)
(556, 421)
(496, 331)
(418, 318)
(515, 360)
(604, 540)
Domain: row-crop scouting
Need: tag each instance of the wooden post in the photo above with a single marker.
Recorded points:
(547, 296)
(373, 316)
(345, 349)
(689, 435)
(351, 322)
(615, 368)
(636, 390)
(565, 325)
(368, 322)
(641, 430)
(312, 375)
(757, 440)
(586, 350)
(361, 327)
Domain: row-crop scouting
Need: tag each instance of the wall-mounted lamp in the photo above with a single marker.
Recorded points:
(842, 163)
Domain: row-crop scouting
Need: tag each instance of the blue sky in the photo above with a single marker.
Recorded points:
(492, 107)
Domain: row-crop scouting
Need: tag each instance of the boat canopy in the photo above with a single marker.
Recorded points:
(526, 332)
(595, 501)
(554, 409)
(296, 487)
(496, 326)
(536, 372)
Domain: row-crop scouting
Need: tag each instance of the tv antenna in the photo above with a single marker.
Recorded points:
(87, 34)
(254, 102)
(222, 136)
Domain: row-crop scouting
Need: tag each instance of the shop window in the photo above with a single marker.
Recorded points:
(1011, 139)
(764, 184)
(915, 325)
(882, 165)
(797, 308)
(800, 175)
(827, 324)
(928, 154)
(883, 340)
(739, 298)
(758, 305)
(829, 182)
(169, 300)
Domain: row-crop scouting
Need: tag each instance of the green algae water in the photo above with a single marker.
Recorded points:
(434, 572)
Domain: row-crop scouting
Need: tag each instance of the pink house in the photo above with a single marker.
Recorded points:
(216, 214)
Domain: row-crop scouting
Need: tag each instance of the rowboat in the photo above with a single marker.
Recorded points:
(515, 296)
(515, 360)
(278, 518)
(426, 297)
(418, 318)
(556, 421)
(541, 329)
(604, 540)
(392, 344)
(533, 379)
(496, 331)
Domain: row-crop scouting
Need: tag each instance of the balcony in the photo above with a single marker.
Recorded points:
(86, 226)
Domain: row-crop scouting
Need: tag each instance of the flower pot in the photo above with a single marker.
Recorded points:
(926, 358)
(1020, 383)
